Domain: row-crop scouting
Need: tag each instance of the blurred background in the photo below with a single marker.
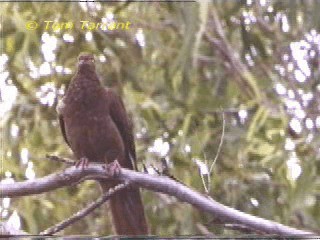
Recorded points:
(181, 68)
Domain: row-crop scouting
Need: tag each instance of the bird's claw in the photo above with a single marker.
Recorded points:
(113, 168)
(83, 162)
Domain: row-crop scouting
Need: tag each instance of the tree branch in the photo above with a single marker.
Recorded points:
(162, 184)
(84, 212)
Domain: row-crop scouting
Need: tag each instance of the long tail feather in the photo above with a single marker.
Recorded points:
(127, 211)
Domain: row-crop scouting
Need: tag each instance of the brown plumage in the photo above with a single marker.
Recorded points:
(95, 125)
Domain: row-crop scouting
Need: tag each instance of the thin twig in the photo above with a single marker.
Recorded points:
(220, 144)
(204, 182)
(206, 186)
(208, 177)
(235, 226)
(242, 228)
(85, 211)
(61, 160)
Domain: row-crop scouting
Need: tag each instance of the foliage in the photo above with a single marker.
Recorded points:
(178, 66)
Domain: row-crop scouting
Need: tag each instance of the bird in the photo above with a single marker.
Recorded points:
(94, 123)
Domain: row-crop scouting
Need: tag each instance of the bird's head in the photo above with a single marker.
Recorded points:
(86, 59)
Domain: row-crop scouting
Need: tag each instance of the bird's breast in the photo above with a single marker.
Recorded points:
(94, 135)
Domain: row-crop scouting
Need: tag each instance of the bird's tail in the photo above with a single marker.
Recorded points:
(127, 211)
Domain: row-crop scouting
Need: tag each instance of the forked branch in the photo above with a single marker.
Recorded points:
(162, 184)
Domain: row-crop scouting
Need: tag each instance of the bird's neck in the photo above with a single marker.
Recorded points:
(86, 77)
(85, 86)
(88, 72)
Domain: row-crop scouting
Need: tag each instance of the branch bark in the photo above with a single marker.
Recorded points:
(72, 175)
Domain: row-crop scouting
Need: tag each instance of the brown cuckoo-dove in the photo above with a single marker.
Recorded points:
(95, 125)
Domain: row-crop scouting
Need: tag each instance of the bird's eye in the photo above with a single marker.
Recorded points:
(86, 59)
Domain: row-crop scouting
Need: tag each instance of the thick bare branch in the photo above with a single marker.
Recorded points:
(162, 184)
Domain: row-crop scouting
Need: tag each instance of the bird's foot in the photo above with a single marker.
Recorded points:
(113, 168)
(83, 162)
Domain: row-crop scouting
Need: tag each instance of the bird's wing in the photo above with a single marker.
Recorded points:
(120, 118)
(59, 109)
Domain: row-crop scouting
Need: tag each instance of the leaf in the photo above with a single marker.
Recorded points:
(186, 123)
(263, 149)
